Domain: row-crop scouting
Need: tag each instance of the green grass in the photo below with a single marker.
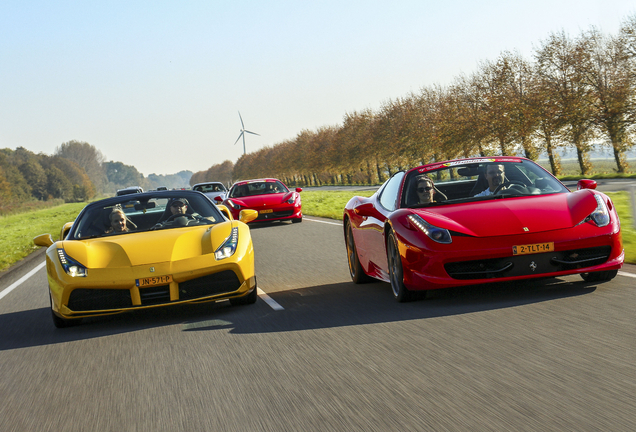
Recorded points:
(623, 207)
(17, 231)
(328, 204)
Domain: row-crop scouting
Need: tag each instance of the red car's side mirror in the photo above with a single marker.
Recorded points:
(368, 210)
(586, 184)
(299, 189)
(218, 198)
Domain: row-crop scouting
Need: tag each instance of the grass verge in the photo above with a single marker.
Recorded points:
(329, 204)
(17, 231)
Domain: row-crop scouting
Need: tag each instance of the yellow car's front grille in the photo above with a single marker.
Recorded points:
(83, 300)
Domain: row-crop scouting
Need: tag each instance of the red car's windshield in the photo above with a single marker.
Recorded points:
(257, 188)
(461, 182)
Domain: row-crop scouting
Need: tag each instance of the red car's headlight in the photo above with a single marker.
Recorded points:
(439, 235)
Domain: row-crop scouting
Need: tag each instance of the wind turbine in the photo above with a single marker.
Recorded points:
(242, 134)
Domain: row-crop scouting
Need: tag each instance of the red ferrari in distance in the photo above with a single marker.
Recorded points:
(270, 197)
(474, 221)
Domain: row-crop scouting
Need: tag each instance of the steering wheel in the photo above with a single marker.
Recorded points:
(186, 215)
(508, 183)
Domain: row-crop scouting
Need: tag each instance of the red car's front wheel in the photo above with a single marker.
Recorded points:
(396, 273)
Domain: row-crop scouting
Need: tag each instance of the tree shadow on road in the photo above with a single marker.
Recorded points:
(317, 307)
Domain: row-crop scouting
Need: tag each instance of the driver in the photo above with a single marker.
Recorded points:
(179, 206)
(495, 175)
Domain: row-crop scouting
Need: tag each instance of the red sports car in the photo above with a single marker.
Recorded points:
(474, 221)
(270, 197)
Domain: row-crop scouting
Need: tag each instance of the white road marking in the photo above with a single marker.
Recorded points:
(325, 222)
(270, 301)
(21, 280)
(632, 275)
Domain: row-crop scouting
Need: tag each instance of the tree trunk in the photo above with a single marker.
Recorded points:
(584, 160)
(555, 163)
(621, 161)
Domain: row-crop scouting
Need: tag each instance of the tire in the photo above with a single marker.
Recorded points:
(602, 276)
(358, 276)
(396, 273)
(245, 300)
(61, 322)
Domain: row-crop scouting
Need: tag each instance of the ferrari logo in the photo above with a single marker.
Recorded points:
(526, 229)
(533, 266)
(152, 269)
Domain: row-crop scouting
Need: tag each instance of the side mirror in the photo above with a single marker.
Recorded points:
(247, 215)
(44, 240)
(299, 189)
(225, 211)
(65, 229)
(218, 198)
(586, 184)
(368, 210)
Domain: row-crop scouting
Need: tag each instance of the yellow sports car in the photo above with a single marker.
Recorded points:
(148, 250)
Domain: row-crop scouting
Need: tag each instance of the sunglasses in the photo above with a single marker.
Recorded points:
(424, 189)
(178, 204)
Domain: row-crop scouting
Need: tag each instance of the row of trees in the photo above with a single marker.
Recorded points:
(25, 176)
(76, 172)
(576, 94)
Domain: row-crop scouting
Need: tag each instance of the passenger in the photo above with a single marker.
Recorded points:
(425, 190)
(117, 222)
(495, 175)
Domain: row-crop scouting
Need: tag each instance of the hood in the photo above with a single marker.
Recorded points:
(510, 216)
(149, 247)
(265, 200)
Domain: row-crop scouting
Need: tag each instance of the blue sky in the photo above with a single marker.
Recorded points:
(158, 85)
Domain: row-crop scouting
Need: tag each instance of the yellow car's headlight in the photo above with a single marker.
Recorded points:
(228, 247)
(71, 267)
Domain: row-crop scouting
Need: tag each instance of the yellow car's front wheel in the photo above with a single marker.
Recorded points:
(245, 300)
(61, 322)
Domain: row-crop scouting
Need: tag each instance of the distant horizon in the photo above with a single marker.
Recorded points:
(159, 86)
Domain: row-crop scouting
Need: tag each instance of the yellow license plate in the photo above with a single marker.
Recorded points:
(533, 248)
(266, 211)
(154, 281)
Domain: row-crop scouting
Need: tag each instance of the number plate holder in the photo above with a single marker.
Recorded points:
(533, 248)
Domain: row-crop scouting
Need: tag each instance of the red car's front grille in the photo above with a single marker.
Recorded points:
(274, 215)
(524, 265)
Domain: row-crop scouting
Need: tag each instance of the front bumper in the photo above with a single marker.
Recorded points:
(111, 291)
(280, 213)
(473, 261)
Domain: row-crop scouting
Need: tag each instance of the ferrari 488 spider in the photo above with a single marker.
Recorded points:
(475, 221)
(270, 197)
(148, 250)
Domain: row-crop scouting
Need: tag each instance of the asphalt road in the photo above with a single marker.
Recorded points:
(551, 355)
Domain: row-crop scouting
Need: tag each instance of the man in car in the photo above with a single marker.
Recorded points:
(495, 175)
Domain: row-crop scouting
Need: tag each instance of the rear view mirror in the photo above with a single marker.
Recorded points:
(145, 206)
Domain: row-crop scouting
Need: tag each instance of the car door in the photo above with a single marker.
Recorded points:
(372, 227)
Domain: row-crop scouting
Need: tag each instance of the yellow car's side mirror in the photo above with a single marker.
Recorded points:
(65, 229)
(44, 240)
(225, 211)
(247, 215)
